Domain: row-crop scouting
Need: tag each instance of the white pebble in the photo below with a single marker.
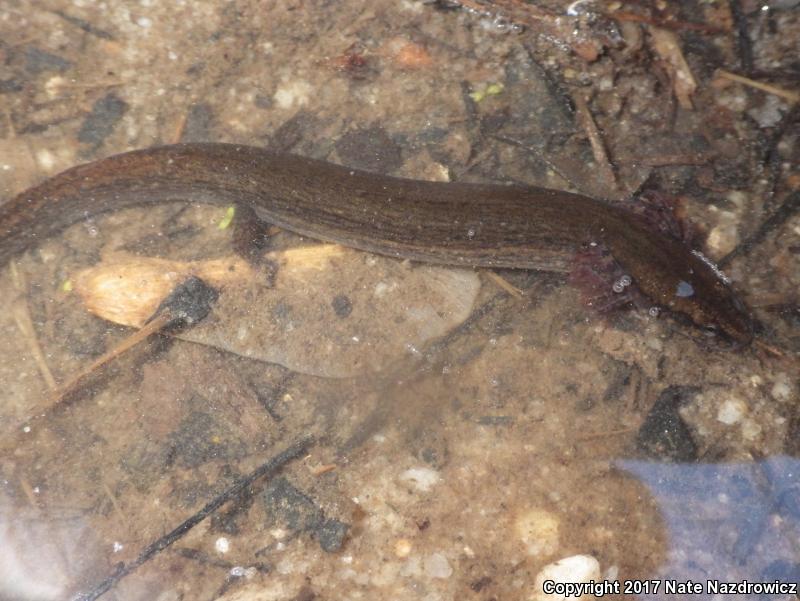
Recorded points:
(45, 160)
(285, 566)
(402, 548)
(577, 568)
(437, 566)
(781, 390)
(222, 545)
(751, 430)
(422, 478)
(731, 411)
(293, 94)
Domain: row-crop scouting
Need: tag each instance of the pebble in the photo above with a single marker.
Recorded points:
(538, 530)
(222, 545)
(751, 430)
(577, 568)
(437, 566)
(769, 113)
(781, 390)
(402, 548)
(731, 411)
(422, 478)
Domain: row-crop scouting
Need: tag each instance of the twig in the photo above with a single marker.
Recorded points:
(667, 46)
(598, 147)
(22, 317)
(765, 87)
(770, 349)
(743, 43)
(128, 343)
(504, 284)
(84, 25)
(154, 548)
(664, 23)
(789, 207)
(666, 160)
(188, 303)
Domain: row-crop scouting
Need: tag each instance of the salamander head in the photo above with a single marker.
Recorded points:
(704, 295)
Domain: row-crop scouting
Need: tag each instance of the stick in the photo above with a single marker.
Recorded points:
(270, 467)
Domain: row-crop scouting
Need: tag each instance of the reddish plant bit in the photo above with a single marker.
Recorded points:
(353, 62)
(604, 285)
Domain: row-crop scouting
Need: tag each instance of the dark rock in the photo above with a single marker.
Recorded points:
(38, 61)
(664, 435)
(101, 121)
(199, 123)
(342, 306)
(370, 149)
(289, 506)
(331, 534)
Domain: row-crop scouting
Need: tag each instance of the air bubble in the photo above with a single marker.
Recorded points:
(622, 283)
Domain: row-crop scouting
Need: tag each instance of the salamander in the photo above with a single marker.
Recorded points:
(448, 223)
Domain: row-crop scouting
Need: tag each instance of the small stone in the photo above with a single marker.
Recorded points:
(331, 535)
(402, 548)
(423, 478)
(731, 411)
(654, 343)
(751, 430)
(769, 113)
(437, 566)
(342, 306)
(222, 545)
(577, 568)
(664, 435)
(781, 390)
(538, 529)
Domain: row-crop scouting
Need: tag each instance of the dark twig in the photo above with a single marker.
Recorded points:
(789, 207)
(743, 44)
(772, 157)
(270, 467)
(84, 25)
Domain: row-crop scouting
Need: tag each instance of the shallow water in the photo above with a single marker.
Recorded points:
(464, 436)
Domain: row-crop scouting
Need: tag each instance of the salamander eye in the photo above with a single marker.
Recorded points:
(710, 330)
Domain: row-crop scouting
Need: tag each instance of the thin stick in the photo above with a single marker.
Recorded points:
(596, 141)
(787, 94)
(188, 303)
(150, 328)
(22, 317)
(270, 467)
(503, 283)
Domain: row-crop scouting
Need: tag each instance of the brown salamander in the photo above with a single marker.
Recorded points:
(446, 223)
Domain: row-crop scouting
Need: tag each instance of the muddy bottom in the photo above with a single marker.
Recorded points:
(342, 425)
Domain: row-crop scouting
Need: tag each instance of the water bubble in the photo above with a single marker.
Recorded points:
(622, 283)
